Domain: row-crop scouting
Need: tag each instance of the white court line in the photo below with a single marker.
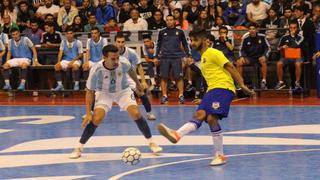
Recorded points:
(118, 176)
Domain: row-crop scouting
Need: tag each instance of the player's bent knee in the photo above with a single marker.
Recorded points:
(200, 115)
(98, 116)
(134, 112)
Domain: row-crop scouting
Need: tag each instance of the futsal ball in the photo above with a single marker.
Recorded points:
(131, 156)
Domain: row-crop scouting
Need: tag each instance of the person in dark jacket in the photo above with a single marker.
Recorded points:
(254, 48)
(170, 53)
(292, 40)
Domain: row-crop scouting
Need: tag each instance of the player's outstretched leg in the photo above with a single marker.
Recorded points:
(147, 106)
(175, 135)
(89, 130)
(144, 128)
(217, 138)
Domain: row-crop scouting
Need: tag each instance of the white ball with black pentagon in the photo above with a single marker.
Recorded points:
(131, 156)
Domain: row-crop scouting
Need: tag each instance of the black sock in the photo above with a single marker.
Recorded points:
(76, 75)
(88, 132)
(146, 103)
(6, 74)
(23, 74)
(57, 75)
(85, 75)
(143, 126)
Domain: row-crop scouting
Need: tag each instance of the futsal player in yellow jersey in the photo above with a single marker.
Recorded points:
(219, 74)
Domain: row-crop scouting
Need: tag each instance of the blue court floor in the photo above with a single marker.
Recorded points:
(265, 142)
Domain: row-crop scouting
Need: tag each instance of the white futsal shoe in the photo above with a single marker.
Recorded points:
(76, 153)
(218, 160)
(151, 116)
(156, 149)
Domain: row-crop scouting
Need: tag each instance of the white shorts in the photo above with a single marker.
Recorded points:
(65, 63)
(124, 99)
(131, 82)
(17, 62)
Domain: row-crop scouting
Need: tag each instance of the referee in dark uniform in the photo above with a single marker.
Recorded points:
(170, 53)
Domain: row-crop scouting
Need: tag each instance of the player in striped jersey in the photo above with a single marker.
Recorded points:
(108, 82)
(135, 61)
(94, 50)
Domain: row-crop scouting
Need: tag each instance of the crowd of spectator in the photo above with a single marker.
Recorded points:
(270, 25)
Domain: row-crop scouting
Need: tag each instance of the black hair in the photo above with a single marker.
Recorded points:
(14, 29)
(198, 33)
(95, 28)
(109, 48)
(119, 35)
(146, 36)
(223, 27)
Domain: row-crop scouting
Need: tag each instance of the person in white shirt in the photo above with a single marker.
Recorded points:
(47, 8)
(135, 23)
(108, 83)
(257, 11)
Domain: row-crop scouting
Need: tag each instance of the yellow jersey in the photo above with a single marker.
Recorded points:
(213, 71)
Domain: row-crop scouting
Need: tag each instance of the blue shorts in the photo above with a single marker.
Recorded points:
(217, 102)
(288, 61)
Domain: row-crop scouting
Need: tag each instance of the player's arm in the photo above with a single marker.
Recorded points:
(141, 73)
(8, 55)
(60, 54)
(132, 73)
(236, 76)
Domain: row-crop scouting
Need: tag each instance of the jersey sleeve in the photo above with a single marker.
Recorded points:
(88, 45)
(61, 46)
(126, 65)
(80, 47)
(92, 79)
(133, 57)
(28, 42)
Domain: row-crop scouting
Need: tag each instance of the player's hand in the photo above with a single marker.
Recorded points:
(86, 120)
(58, 66)
(140, 88)
(70, 64)
(36, 63)
(285, 46)
(144, 85)
(247, 91)
(156, 61)
(196, 101)
(315, 56)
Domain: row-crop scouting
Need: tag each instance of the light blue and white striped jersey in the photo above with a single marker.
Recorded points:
(95, 49)
(132, 56)
(106, 80)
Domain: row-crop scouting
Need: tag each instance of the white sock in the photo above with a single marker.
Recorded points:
(23, 81)
(186, 129)
(59, 83)
(7, 81)
(76, 83)
(190, 82)
(80, 146)
(280, 81)
(153, 82)
(149, 140)
(263, 80)
(217, 143)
